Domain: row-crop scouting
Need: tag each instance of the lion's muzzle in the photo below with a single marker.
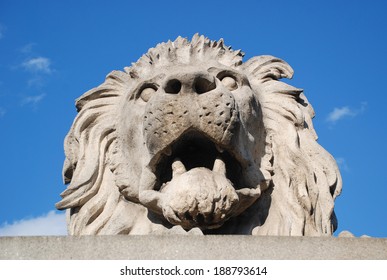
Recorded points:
(191, 101)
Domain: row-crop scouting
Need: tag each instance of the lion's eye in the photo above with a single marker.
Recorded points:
(229, 83)
(146, 93)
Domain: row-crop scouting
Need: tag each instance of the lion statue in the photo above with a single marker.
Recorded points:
(190, 139)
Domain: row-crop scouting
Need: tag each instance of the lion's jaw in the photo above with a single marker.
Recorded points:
(194, 119)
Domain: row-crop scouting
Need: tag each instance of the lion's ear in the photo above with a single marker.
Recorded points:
(112, 86)
(266, 70)
(267, 66)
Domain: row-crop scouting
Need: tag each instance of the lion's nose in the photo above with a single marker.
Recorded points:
(197, 83)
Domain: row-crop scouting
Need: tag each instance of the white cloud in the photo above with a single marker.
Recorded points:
(37, 64)
(344, 112)
(48, 224)
(37, 82)
(339, 113)
(32, 100)
(2, 30)
(342, 163)
(27, 49)
(2, 112)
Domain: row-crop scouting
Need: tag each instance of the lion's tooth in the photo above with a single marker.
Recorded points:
(177, 167)
(219, 149)
(219, 166)
(162, 187)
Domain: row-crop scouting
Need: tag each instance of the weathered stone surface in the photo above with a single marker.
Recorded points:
(182, 247)
(190, 139)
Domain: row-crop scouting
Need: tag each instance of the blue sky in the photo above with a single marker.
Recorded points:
(53, 51)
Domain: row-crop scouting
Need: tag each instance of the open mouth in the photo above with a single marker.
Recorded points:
(197, 182)
(194, 149)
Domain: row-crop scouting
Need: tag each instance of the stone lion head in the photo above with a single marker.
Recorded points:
(192, 139)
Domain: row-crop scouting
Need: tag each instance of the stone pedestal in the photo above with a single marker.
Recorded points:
(191, 247)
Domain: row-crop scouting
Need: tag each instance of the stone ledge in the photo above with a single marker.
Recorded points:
(191, 247)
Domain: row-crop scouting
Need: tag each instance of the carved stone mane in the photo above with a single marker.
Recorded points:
(192, 139)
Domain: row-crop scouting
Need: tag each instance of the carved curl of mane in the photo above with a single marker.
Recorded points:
(299, 203)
